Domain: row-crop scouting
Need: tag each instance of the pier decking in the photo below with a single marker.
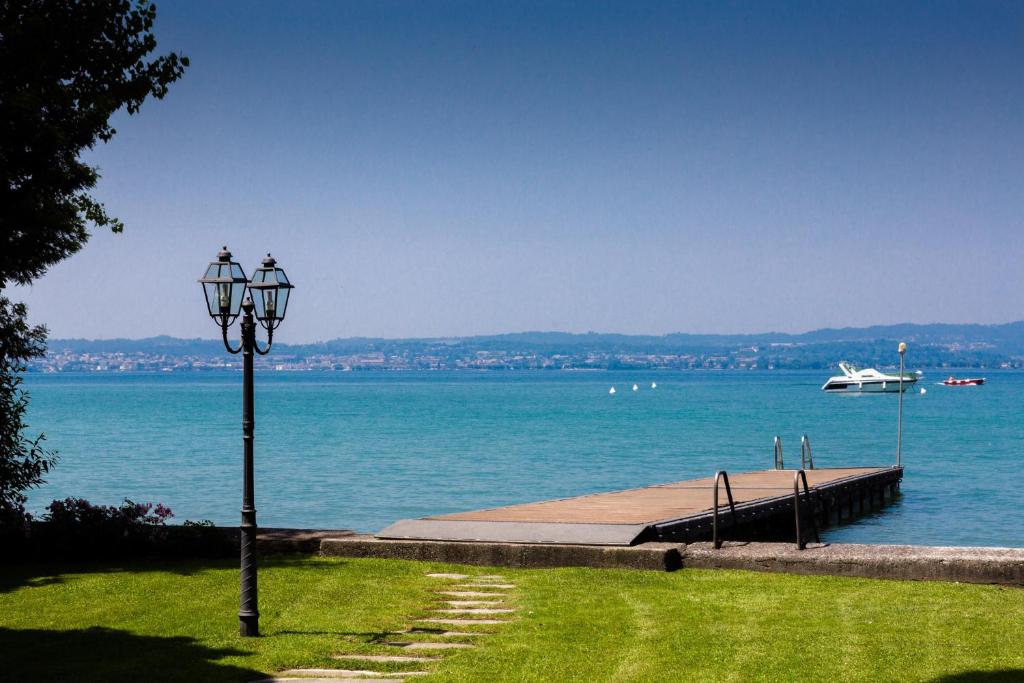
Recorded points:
(678, 512)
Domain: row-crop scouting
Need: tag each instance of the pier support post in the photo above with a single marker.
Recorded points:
(899, 422)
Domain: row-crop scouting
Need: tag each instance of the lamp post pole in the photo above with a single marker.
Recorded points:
(248, 613)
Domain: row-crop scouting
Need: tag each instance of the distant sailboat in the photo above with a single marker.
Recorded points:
(612, 390)
(654, 385)
(636, 388)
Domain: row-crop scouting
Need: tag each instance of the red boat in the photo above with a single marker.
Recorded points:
(967, 382)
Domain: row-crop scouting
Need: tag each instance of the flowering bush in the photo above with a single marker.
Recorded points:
(82, 512)
(75, 527)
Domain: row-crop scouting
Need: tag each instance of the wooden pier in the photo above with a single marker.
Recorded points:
(680, 512)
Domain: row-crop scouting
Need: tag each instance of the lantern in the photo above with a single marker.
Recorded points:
(224, 284)
(269, 288)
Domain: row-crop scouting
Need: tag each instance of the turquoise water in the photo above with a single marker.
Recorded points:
(360, 450)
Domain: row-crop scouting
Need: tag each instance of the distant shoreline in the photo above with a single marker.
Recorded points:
(976, 347)
(933, 371)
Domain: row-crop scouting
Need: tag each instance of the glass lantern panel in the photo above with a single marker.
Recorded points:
(236, 272)
(222, 298)
(211, 298)
(282, 301)
(237, 293)
(270, 304)
(258, 300)
(281, 277)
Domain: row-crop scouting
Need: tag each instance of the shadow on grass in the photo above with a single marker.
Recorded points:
(999, 676)
(28, 575)
(100, 654)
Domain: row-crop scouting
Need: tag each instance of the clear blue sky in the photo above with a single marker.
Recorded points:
(454, 168)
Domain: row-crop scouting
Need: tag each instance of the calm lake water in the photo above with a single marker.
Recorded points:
(360, 450)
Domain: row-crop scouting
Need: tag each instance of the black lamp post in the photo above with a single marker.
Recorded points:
(225, 284)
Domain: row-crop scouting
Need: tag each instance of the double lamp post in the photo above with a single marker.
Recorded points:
(225, 287)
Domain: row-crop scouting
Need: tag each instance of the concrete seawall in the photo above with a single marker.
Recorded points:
(970, 565)
(650, 556)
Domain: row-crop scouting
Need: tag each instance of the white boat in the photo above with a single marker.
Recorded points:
(869, 380)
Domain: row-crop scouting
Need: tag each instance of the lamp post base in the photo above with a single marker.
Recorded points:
(248, 625)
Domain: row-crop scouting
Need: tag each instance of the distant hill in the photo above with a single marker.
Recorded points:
(933, 345)
(1006, 338)
(154, 345)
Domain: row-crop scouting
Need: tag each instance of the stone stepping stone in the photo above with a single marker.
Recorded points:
(376, 675)
(476, 610)
(463, 622)
(490, 577)
(487, 585)
(330, 679)
(472, 603)
(438, 575)
(441, 633)
(471, 594)
(351, 674)
(431, 646)
(386, 658)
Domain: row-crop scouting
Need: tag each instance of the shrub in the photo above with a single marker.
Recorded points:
(74, 527)
(198, 539)
(15, 528)
(82, 512)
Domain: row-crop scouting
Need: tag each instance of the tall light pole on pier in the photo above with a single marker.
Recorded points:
(899, 422)
(225, 287)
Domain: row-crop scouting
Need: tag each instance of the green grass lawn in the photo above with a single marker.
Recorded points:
(177, 622)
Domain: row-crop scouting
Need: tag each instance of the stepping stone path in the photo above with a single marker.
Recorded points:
(469, 594)
(386, 658)
(328, 679)
(448, 576)
(441, 633)
(337, 676)
(451, 612)
(347, 675)
(431, 646)
(464, 622)
(360, 674)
